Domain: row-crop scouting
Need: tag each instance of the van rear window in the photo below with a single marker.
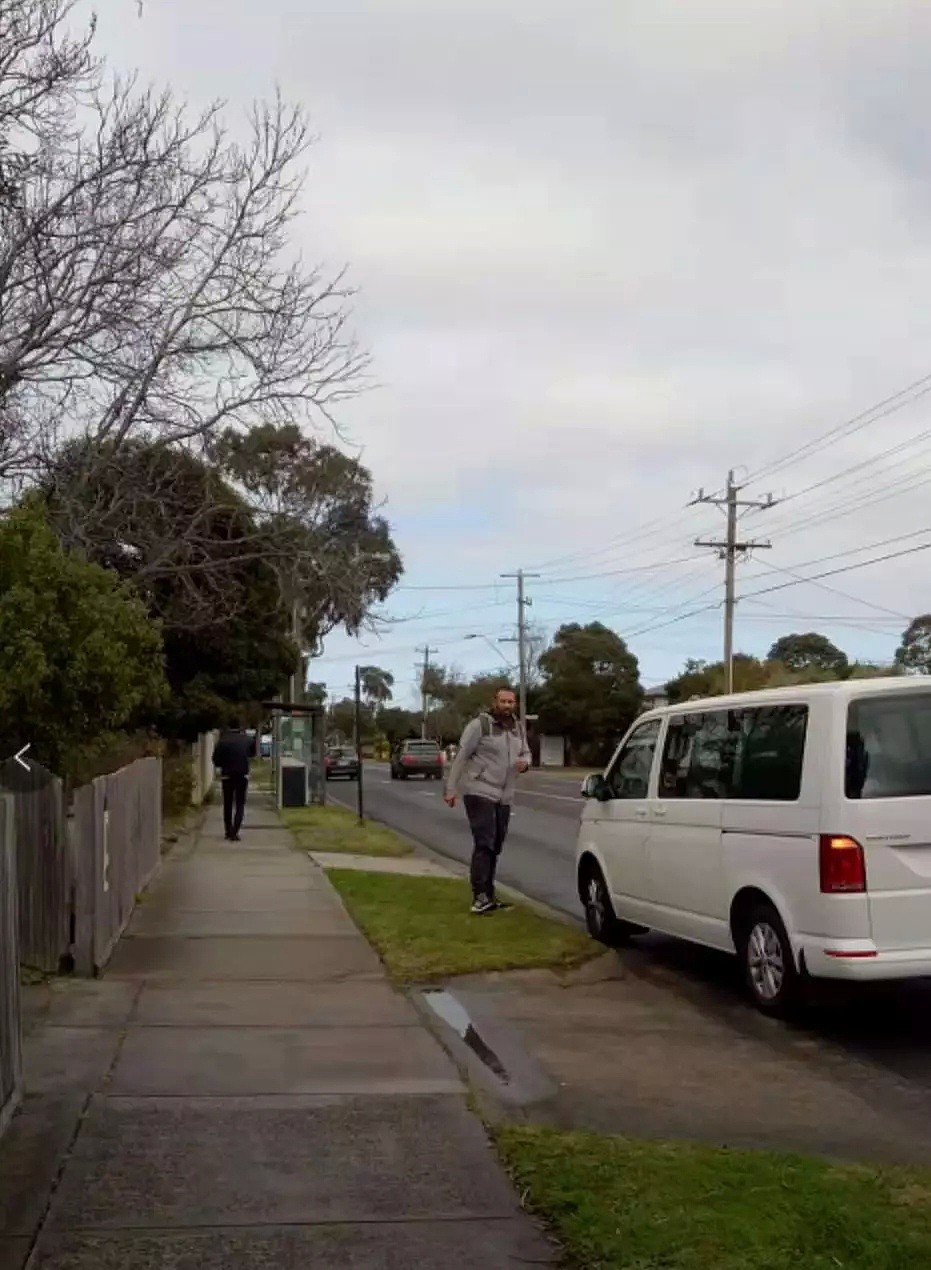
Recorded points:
(889, 747)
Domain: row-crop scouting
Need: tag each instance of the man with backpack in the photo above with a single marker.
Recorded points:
(492, 752)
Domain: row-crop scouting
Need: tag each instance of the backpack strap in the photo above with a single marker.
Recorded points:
(485, 720)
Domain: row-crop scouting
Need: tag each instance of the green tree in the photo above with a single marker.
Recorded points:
(333, 554)
(376, 685)
(172, 527)
(810, 651)
(341, 721)
(79, 656)
(396, 724)
(914, 652)
(591, 689)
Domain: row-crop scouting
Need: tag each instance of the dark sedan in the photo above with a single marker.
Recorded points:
(341, 763)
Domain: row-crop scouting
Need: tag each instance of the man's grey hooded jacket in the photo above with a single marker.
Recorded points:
(486, 764)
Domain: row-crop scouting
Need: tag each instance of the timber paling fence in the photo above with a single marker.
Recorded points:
(10, 1048)
(68, 884)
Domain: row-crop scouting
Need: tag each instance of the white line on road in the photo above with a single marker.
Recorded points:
(536, 793)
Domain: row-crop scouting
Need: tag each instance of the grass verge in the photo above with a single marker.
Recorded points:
(260, 772)
(630, 1205)
(423, 929)
(330, 828)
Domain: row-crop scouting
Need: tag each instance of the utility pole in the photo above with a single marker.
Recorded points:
(357, 741)
(296, 637)
(523, 603)
(427, 652)
(729, 550)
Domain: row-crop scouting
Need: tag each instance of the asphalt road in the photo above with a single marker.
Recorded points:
(888, 1026)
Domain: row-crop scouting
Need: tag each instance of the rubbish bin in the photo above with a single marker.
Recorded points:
(293, 784)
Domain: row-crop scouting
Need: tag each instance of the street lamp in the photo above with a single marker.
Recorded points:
(491, 644)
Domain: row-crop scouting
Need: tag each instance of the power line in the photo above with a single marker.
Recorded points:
(870, 463)
(861, 564)
(823, 586)
(897, 401)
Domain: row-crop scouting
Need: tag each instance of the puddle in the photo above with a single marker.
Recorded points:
(454, 1013)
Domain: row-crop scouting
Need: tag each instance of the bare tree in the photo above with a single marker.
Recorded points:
(149, 287)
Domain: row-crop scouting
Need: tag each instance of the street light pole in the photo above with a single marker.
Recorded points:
(522, 605)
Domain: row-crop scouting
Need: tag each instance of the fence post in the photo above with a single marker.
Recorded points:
(11, 1060)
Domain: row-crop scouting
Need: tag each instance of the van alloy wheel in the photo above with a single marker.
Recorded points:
(596, 903)
(765, 961)
(768, 962)
(600, 918)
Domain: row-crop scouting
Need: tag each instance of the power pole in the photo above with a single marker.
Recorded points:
(427, 651)
(523, 603)
(357, 739)
(729, 550)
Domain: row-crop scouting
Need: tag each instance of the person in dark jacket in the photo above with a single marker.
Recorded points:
(231, 755)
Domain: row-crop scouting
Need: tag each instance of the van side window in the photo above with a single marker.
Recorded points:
(629, 775)
(698, 757)
(752, 753)
(770, 752)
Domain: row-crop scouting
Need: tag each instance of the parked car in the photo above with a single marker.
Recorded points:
(788, 826)
(417, 758)
(341, 762)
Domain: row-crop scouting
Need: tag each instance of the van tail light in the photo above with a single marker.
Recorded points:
(843, 866)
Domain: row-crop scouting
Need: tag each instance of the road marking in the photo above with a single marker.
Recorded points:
(536, 793)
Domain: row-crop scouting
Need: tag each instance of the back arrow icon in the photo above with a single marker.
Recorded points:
(18, 758)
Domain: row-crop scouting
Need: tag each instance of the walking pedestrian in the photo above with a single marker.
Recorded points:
(493, 750)
(231, 755)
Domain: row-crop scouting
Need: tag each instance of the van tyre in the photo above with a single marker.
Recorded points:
(767, 960)
(600, 918)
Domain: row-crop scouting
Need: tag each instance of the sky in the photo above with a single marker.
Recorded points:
(604, 253)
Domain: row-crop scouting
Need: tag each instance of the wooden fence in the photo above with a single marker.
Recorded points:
(43, 866)
(116, 847)
(10, 1052)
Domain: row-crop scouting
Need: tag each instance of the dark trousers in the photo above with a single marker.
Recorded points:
(234, 803)
(488, 821)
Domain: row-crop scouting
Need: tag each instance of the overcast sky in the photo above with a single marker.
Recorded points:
(606, 251)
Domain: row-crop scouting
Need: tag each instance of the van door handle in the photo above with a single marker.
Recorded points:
(641, 813)
(659, 811)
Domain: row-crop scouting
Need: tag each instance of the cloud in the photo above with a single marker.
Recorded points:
(605, 252)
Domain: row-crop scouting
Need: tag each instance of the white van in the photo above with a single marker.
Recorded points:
(791, 826)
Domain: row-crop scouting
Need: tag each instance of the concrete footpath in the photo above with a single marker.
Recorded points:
(244, 1088)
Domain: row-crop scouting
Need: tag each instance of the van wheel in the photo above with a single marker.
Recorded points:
(600, 918)
(768, 964)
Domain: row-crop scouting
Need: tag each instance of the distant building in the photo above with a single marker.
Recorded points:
(653, 698)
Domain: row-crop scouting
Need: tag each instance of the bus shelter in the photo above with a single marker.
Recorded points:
(298, 732)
